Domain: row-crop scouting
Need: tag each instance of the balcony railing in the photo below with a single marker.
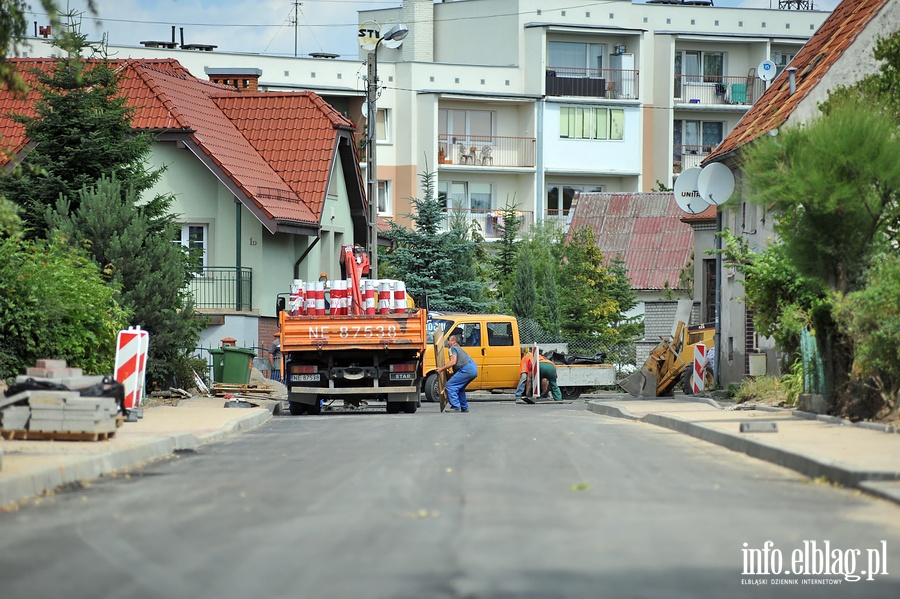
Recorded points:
(617, 84)
(486, 150)
(687, 156)
(560, 216)
(488, 222)
(223, 288)
(709, 89)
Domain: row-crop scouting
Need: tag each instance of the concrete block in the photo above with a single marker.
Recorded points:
(759, 427)
(15, 418)
(45, 363)
(810, 402)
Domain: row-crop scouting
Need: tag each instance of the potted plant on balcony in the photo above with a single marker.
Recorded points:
(442, 158)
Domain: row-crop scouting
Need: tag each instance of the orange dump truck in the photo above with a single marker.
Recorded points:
(354, 358)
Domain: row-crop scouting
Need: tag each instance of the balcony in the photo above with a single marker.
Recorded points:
(689, 156)
(486, 151)
(709, 89)
(488, 222)
(560, 217)
(616, 84)
(223, 288)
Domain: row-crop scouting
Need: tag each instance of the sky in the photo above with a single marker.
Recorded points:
(256, 26)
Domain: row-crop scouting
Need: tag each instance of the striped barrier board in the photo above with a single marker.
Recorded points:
(698, 383)
(131, 364)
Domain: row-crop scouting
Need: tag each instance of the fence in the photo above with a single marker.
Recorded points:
(223, 287)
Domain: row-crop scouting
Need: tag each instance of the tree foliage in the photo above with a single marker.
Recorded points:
(81, 131)
(54, 304)
(434, 263)
(148, 270)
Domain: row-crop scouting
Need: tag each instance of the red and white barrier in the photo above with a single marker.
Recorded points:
(131, 364)
(384, 298)
(399, 296)
(697, 380)
(297, 299)
(320, 298)
(309, 291)
(370, 296)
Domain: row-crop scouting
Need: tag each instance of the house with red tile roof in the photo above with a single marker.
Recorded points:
(840, 53)
(266, 184)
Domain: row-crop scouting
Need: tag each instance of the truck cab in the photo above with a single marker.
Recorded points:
(491, 340)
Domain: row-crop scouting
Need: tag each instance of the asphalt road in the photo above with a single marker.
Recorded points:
(509, 501)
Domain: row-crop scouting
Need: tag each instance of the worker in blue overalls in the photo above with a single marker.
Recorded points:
(464, 372)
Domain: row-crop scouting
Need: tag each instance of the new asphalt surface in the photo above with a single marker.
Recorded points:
(861, 456)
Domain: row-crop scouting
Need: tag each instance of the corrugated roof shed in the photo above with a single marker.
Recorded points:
(645, 229)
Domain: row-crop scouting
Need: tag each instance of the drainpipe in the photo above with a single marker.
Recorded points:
(237, 255)
(792, 78)
(541, 193)
(718, 334)
(303, 257)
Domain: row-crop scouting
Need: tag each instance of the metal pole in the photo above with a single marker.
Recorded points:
(372, 182)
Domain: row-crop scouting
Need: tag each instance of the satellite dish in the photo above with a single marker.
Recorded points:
(767, 70)
(365, 109)
(369, 32)
(715, 183)
(686, 194)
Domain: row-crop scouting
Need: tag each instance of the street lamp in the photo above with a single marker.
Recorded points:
(395, 33)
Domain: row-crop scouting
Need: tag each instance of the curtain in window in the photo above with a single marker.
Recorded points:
(617, 124)
(601, 123)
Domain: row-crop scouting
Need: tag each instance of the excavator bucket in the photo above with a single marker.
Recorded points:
(641, 383)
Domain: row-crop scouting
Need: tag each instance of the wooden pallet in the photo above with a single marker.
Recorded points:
(220, 389)
(28, 435)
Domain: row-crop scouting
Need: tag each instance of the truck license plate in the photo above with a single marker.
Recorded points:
(403, 376)
(304, 378)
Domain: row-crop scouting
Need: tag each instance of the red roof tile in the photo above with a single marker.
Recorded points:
(645, 229)
(278, 149)
(816, 57)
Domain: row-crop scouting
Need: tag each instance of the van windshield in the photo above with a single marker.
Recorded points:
(436, 325)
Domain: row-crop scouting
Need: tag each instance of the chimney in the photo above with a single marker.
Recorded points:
(418, 15)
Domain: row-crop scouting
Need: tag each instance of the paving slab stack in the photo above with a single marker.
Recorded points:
(47, 412)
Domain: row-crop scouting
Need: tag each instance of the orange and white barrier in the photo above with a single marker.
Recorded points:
(697, 380)
(131, 364)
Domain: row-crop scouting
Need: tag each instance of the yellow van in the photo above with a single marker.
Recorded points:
(491, 340)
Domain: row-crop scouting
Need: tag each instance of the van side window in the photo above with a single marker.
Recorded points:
(471, 334)
(499, 333)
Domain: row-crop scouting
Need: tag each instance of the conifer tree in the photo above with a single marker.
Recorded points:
(434, 263)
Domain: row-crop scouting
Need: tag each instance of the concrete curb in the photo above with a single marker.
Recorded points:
(805, 465)
(84, 468)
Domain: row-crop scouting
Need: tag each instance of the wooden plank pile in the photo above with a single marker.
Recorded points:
(223, 389)
(58, 414)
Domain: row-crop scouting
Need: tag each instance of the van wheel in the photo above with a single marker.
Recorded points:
(431, 388)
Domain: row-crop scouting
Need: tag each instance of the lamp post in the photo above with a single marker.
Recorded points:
(395, 33)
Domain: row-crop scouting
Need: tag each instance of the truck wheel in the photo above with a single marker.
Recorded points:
(431, 389)
(570, 392)
(296, 408)
(393, 407)
(410, 407)
(315, 409)
(687, 382)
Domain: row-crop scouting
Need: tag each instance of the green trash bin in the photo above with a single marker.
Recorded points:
(236, 367)
(218, 364)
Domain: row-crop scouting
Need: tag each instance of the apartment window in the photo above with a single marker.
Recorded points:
(466, 195)
(782, 59)
(194, 237)
(697, 137)
(695, 66)
(577, 122)
(382, 125)
(467, 126)
(384, 197)
(576, 59)
(560, 196)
